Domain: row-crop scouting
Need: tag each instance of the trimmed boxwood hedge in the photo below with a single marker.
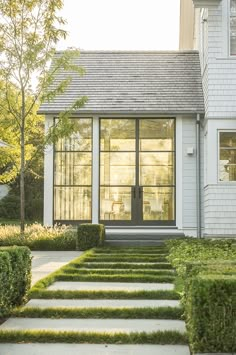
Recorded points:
(89, 236)
(207, 282)
(15, 277)
(210, 311)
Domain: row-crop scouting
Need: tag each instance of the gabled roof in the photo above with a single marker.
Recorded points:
(134, 82)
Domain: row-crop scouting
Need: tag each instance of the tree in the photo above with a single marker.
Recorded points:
(29, 33)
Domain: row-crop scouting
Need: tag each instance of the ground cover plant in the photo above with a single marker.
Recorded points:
(207, 280)
(37, 237)
(40, 336)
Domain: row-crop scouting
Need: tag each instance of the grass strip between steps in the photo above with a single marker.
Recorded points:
(123, 295)
(127, 255)
(129, 250)
(50, 336)
(115, 278)
(95, 258)
(100, 313)
(83, 271)
(103, 265)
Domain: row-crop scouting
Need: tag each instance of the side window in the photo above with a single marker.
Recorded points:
(227, 156)
(232, 27)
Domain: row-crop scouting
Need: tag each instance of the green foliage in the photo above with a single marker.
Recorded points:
(84, 271)
(207, 279)
(96, 312)
(132, 250)
(15, 277)
(41, 292)
(103, 277)
(10, 204)
(189, 250)
(89, 236)
(51, 336)
(29, 33)
(211, 313)
(120, 265)
(38, 237)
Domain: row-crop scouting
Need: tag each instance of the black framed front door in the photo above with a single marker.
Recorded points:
(137, 171)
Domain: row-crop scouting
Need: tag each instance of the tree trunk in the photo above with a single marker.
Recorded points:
(22, 164)
(22, 185)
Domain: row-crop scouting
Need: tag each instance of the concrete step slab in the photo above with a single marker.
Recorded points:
(88, 349)
(94, 325)
(109, 286)
(44, 303)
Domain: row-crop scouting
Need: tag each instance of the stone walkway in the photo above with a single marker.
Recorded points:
(46, 262)
(88, 349)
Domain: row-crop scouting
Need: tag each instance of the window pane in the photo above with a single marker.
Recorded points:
(73, 168)
(81, 140)
(72, 172)
(72, 203)
(115, 203)
(156, 134)
(233, 27)
(117, 169)
(233, 7)
(117, 135)
(228, 139)
(156, 169)
(158, 203)
(227, 172)
(228, 156)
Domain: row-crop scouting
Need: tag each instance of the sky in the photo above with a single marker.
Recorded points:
(121, 24)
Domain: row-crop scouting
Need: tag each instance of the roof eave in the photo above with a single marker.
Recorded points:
(125, 112)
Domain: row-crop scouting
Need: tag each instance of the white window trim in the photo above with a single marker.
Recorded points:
(218, 158)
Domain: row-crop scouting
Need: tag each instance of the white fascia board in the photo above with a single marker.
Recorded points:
(205, 3)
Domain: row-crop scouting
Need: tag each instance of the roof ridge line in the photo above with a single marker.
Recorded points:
(132, 51)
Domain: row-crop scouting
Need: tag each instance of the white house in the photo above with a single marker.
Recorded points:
(156, 146)
(210, 27)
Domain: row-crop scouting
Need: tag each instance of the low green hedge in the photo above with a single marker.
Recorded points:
(89, 236)
(210, 311)
(15, 277)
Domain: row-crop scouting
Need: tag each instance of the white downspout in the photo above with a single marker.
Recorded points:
(198, 177)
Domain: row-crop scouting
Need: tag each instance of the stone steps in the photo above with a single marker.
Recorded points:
(88, 349)
(100, 325)
(86, 303)
(109, 286)
(136, 236)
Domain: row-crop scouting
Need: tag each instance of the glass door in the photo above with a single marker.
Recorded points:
(157, 171)
(117, 170)
(137, 171)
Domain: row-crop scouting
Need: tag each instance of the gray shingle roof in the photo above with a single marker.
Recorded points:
(134, 82)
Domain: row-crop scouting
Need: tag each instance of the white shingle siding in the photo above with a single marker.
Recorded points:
(220, 210)
(219, 78)
(190, 176)
(219, 87)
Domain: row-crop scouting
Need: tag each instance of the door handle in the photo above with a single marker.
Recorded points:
(140, 192)
(134, 191)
